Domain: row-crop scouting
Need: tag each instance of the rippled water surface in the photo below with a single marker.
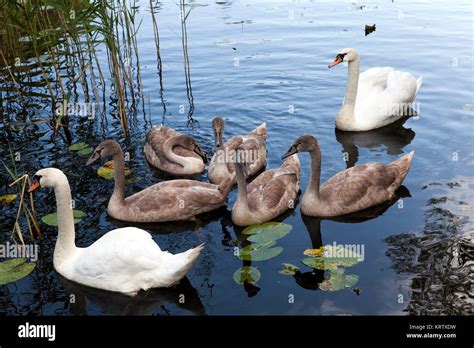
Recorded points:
(256, 61)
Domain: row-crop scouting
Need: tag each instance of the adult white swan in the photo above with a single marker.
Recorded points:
(124, 260)
(375, 98)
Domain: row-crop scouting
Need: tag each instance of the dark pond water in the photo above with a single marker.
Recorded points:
(254, 61)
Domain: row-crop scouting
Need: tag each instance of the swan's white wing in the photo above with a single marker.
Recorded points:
(373, 80)
(384, 96)
(124, 251)
(401, 87)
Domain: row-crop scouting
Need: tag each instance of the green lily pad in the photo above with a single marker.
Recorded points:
(14, 270)
(330, 258)
(255, 229)
(81, 148)
(289, 269)
(267, 232)
(78, 146)
(52, 219)
(5, 199)
(261, 254)
(85, 151)
(254, 247)
(247, 274)
(338, 280)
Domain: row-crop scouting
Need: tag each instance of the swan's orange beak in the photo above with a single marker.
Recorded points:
(335, 62)
(34, 186)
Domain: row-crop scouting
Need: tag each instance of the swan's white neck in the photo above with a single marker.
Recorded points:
(65, 244)
(345, 118)
(352, 82)
(188, 163)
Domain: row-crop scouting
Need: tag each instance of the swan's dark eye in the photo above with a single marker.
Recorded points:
(341, 56)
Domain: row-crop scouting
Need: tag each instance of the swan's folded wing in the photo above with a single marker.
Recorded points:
(401, 87)
(168, 196)
(359, 186)
(122, 251)
(375, 78)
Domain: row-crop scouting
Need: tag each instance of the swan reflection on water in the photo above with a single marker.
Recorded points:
(150, 302)
(393, 137)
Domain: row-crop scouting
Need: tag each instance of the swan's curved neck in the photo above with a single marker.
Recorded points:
(119, 175)
(241, 201)
(185, 162)
(314, 181)
(65, 243)
(352, 82)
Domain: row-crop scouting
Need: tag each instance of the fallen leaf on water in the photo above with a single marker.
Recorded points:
(107, 171)
(314, 252)
(5, 199)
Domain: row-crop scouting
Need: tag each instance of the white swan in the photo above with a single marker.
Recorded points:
(376, 98)
(124, 260)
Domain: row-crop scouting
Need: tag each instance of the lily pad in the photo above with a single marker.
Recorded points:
(5, 199)
(338, 280)
(261, 254)
(254, 247)
(289, 269)
(254, 229)
(81, 148)
(107, 171)
(52, 219)
(267, 232)
(14, 270)
(85, 151)
(247, 274)
(314, 252)
(330, 258)
(78, 146)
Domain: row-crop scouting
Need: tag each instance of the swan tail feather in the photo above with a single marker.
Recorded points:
(402, 165)
(419, 82)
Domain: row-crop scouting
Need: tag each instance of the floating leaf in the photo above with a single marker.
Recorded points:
(314, 252)
(337, 280)
(78, 146)
(255, 229)
(81, 148)
(254, 247)
(289, 269)
(52, 219)
(85, 151)
(247, 274)
(331, 257)
(107, 171)
(268, 231)
(318, 263)
(261, 254)
(14, 270)
(5, 199)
